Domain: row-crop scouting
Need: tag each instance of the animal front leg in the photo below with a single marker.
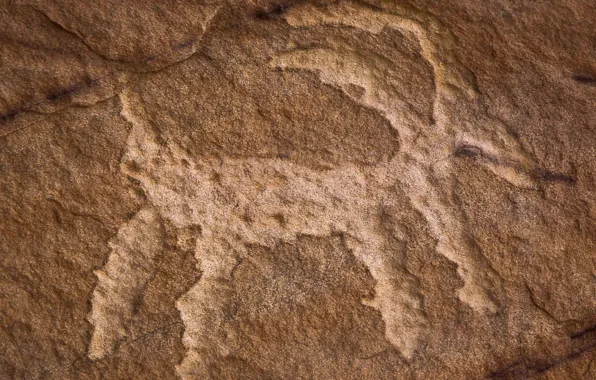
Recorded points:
(431, 193)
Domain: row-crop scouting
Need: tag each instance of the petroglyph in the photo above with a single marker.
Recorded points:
(263, 201)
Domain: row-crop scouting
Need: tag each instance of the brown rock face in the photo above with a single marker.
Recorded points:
(297, 189)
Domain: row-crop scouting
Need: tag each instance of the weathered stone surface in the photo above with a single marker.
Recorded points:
(297, 189)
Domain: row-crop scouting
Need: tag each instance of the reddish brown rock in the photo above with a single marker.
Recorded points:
(297, 189)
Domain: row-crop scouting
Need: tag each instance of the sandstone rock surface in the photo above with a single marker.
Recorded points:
(280, 189)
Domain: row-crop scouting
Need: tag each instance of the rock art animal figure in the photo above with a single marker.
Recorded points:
(263, 201)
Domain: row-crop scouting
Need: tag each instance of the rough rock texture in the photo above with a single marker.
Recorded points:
(277, 189)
